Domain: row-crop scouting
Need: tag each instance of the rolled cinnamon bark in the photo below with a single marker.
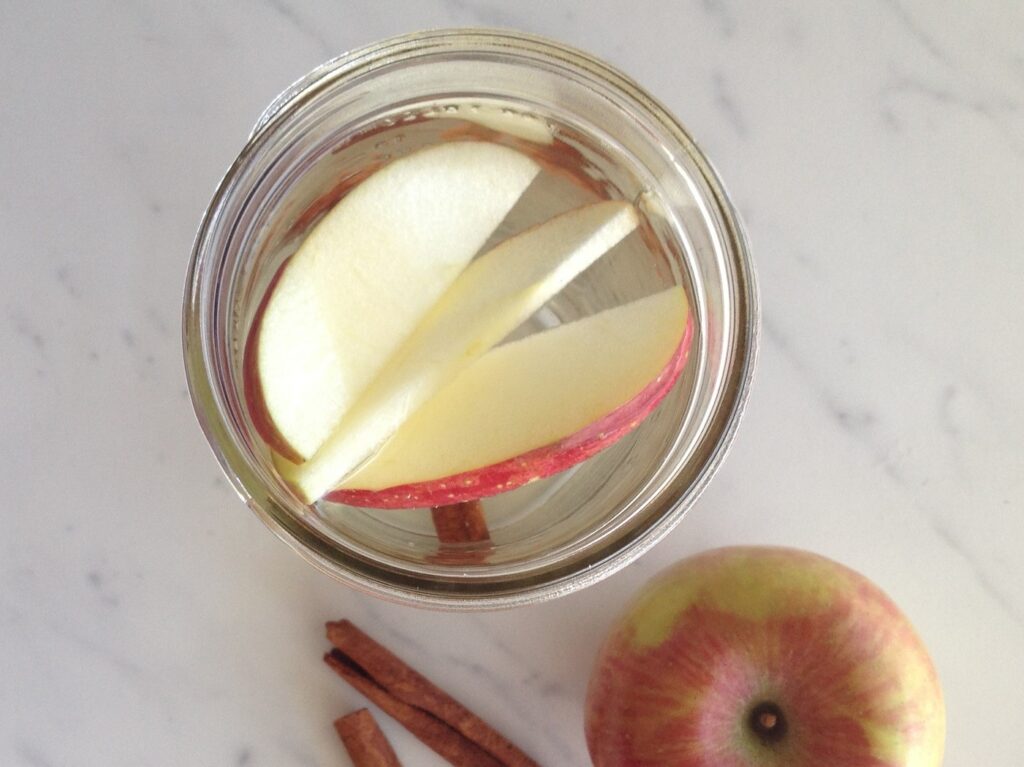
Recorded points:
(364, 741)
(460, 523)
(428, 712)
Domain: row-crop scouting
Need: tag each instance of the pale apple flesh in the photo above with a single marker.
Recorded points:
(252, 385)
(365, 276)
(532, 408)
(494, 295)
(764, 657)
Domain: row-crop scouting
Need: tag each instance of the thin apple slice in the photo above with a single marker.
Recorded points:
(495, 294)
(366, 275)
(531, 408)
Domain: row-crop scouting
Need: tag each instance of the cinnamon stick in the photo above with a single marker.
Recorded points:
(446, 741)
(364, 741)
(460, 523)
(429, 713)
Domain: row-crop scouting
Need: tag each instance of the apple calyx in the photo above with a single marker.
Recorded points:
(768, 723)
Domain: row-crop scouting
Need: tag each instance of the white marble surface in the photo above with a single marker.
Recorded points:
(876, 150)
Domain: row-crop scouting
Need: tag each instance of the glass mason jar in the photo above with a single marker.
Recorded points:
(605, 137)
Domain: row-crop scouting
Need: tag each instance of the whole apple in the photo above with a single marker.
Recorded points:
(758, 657)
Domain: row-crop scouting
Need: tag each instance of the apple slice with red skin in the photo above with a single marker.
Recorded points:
(495, 294)
(541, 405)
(252, 387)
(365, 276)
(763, 657)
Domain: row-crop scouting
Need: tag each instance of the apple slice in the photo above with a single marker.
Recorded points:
(531, 408)
(495, 294)
(363, 279)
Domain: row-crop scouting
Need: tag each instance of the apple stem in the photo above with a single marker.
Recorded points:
(767, 722)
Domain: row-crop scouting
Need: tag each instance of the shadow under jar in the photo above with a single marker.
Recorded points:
(597, 135)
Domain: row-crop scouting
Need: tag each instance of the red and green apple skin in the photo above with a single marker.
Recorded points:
(729, 633)
(536, 464)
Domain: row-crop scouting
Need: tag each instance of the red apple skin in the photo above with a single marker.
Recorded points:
(536, 464)
(724, 631)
